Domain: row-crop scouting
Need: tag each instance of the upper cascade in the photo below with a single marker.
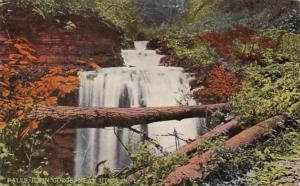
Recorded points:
(140, 56)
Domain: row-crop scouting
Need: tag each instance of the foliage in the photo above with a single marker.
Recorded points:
(291, 22)
(283, 150)
(219, 86)
(221, 15)
(22, 91)
(122, 13)
(239, 45)
(271, 90)
(262, 164)
(199, 10)
(188, 48)
(183, 46)
(269, 173)
(158, 167)
(212, 143)
(18, 157)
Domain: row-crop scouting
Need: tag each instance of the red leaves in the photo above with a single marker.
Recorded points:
(220, 85)
(231, 45)
(266, 42)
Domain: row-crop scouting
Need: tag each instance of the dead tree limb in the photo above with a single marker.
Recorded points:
(196, 165)
(96, 117)
(220, 129)
(189, 148)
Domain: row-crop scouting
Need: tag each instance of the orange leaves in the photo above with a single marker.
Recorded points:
(72, 71)
(32, 125)
(14, 57)
(4, 84)
(2, 124)
(220, 85)
(23, 62)
(26, 51)
(55, 70)
(94, 66)
(12, 88)
(5, 93)
(60, 84)
(20, 114)
(21, 89)
(24, 46)
(51, 100)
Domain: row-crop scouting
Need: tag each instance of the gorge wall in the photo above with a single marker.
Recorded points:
(50, 51)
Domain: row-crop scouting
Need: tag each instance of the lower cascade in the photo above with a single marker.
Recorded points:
(140, 83)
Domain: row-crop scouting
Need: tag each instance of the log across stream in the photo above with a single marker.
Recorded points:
(131, 95)
(55, 117)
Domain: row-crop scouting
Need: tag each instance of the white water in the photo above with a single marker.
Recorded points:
(142, 84)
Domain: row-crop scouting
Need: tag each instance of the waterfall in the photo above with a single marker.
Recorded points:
(141, 83)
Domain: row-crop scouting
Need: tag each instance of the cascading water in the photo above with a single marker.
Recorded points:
(141, 83)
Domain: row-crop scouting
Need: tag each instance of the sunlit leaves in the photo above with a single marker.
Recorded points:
(273, 90)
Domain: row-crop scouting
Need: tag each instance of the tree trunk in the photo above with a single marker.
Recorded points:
(196, 165)
(95, 117)
(190, 148)
(220, 129)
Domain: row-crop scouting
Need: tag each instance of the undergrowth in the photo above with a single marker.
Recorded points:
(265, 163)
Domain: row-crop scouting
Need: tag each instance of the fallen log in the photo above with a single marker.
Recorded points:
(189, 148)
(220, 129)
(95, 117)
(196, 165)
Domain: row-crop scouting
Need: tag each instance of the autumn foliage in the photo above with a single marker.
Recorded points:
(218, 86)
(239, 45)
(26, 82)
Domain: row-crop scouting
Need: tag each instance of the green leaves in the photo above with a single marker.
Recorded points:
(267, 163)
(271, 90)
(270, 173)
(16, 155)
(158, 166)
(122, 13)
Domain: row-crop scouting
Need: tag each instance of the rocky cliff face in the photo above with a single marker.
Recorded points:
(67, 40)
(50, 48)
